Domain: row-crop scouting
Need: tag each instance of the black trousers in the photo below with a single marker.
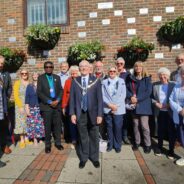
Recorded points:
(3, 132)
(88, 136)
(52, 121)
(166, 127)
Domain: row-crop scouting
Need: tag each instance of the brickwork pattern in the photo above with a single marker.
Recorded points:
(112, 35)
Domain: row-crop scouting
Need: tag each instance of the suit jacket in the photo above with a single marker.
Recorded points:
(7, 89)
(94, 96)
(43, 91)
(155, 95)
(118, 99)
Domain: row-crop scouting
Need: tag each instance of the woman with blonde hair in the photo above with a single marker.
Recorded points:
(35, 126)
(19, 89)
(139, 89)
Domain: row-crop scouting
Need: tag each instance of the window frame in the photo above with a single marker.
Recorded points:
(53, 25)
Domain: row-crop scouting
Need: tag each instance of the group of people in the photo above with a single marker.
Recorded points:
(82, 101)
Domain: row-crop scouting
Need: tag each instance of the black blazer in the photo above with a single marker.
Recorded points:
(43, 91)
(7, 84)
(94, 95)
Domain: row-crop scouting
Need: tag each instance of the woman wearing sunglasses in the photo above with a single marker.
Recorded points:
(114, 93)
(20, 114)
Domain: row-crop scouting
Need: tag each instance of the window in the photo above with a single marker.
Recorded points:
(50, 12)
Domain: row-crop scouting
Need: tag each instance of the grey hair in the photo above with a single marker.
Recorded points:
(164, 70)
(84, 61)
(181, 70)
(74, 67)
(64, 63)
(120, 59)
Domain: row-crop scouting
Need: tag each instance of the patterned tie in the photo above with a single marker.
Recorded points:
(84, 96)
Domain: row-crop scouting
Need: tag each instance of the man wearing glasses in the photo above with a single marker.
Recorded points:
(49, 92)
(175, 74)
(86, 110)
(123, 73)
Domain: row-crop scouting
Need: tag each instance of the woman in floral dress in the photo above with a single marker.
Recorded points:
(20, 114)
(35, 126)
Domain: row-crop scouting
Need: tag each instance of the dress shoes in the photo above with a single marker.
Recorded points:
(6, 150)
(109, 149)
(96, 164)
(147, 149)
(59, 147)
(118, 150)
(2, 164)
(47, 149)
(82, 164)
(135, 147)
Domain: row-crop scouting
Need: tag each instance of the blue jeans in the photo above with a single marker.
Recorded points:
(114, 130)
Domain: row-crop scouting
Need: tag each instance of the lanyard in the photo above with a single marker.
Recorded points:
(51, 81)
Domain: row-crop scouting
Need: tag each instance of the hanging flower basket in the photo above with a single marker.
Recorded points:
(90, 51)
(135, 50)
(42, 36)
(14, 58)
(173, 31)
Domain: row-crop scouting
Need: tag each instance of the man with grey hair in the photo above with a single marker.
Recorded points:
(99, 70)
(64, 75)
(123, 73)
(175, 74)
(86, 110)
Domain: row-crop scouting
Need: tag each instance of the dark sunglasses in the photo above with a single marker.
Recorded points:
(112, 71)
(24, 73)
(119, 63)
(48, 67)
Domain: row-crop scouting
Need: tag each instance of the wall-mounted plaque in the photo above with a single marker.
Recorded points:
(106, 21)
(143, 11)
(118, 12)
(169, 9)
(105, 5)
(176, 46)
(31, 61)
(131, 31)
(11, 21)
(131, 20)
(81, 23)
(157, 18)
(61, 59)
(159, 55)
(12, 39)
(93, 14)
(82, 34)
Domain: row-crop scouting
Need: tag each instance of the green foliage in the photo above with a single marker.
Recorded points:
(172, 31)
(42, 36)
(89, 51)
(138, 43)
(14, 58)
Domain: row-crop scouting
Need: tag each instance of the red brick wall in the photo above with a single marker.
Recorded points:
(112, 35)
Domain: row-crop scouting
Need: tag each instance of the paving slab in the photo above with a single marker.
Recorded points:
(72, 174)
(126, 153)
(121, 172)
(7, 181)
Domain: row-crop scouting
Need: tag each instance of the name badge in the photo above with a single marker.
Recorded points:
(51, 90)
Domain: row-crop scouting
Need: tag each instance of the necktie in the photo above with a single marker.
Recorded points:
(84, 95)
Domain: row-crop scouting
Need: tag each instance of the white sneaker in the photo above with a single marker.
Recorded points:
(180, 162)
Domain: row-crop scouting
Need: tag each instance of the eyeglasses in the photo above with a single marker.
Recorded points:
(119, 63)
(24, 73)
(112, 71)
(48, 67)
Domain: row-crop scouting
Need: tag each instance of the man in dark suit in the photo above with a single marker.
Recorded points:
(86, 110)
(49, 93)
(6, 90)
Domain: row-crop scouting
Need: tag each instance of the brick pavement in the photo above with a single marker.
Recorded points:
(45, 168)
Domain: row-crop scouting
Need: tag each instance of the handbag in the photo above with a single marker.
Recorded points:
(102, 144)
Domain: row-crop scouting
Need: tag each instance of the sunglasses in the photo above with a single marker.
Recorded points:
(24, 73)
(48, 67)
(119, 63)
(112, 71)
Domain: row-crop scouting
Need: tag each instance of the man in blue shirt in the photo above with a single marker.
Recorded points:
(49, 92)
